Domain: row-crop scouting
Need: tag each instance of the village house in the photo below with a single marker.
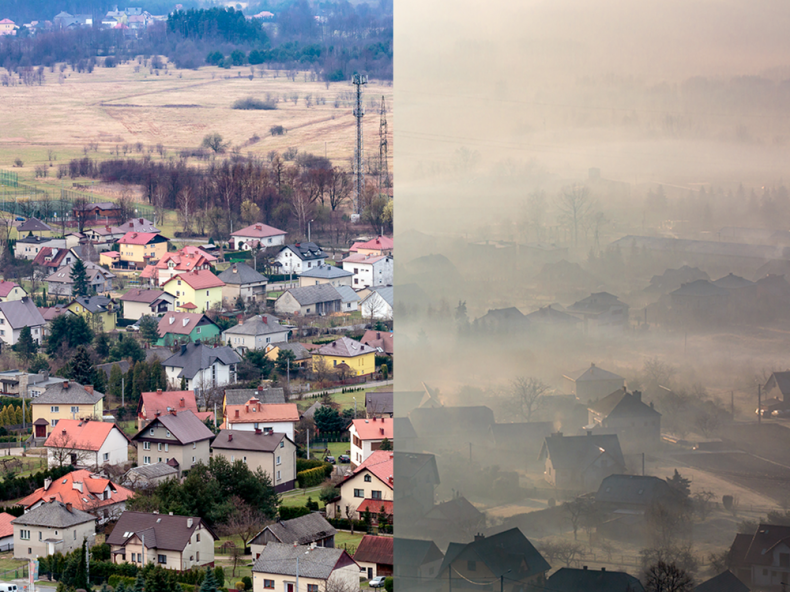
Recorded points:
(581, 463)
(374, 555)
(6, 531)
(381, 245)
(256, 235)
(242, 281)
(181, 327)
(320, 568)
(107, 212)
(179, 439)
(776, 393)
(359, 359)
(418, 562)
(517, 444)
(548, 317)
(302, 356)
(17, 314)
(53, 527)
(136, 225)
(198, 366)
(438, 427)
(35, 227)
(274, 453)
(453, 518)
(188, 258)
(253, 415)
(378, 304)
(699, 301)
(325, 274)
(601, 310)
(255, 333)
(305, 530)
(200, 288)
(86, 443)
(172, 542)
(99, 311)
(501, 321)
(148, 476)
(100, 236)
(159, 402)
(379, 404)
(381, 341)
(138, 249)
(8, 27)
(637, 425)
(266, 395)
(569, 579)
(29, 247)
(323, 299)
(11, 291)
(349, 299)
(369, 270)
(483, 560)
(300, 257)
(85, 491)
(594, 383)
(762, 559)
(369, 487)
(367, 435)
(61, 283)
(137, 303)
(726, 581)
(418, 477)
(65, 400)
(631, 494)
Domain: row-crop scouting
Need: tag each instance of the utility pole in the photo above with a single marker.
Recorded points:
(384, 176)
(359, 80)
(308, 442)
(759, 403)
(123, 390)
(88, 563)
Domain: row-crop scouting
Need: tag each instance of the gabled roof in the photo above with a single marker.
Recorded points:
(258, 231)
(82, 489)
(781, 380)
(136, 225)
(547, 315)
(576, 453)
(568, 579)
(365, 259)
(54, 515)
(508, 552)
(413, 553)
(596, 303)
(699, 288)
(53, 311)
(375, 549)
(186, 427)
(198, 279)
(68, 393)
(344, 347)
(33, 225)
(621, 403)
(144, 296)
(142, 238)
(632, 489)
(376, 506)
(327, 272)
(299, 350)
(383, 340)
(246, 440)
(732, 282)
(266, 396)
(755, 549)
(241, 274)
(347, 293)
(593, 373)
(457, 510)
(182, 323)
(306, 251)
(21, 313)
(317, 563)
(81, 434)
(302, 530)
(94, 304)
(379, 402)
(726, 581)
(194, 357)
(154, 471)
(313, 294)
(409, 464)
(380, 463)
(162, 531)
(255, 412)
(387, 293)
(264, 324)
(374, 429)
(6, 287)
(163, 402)
(380, 243)
(6, 528)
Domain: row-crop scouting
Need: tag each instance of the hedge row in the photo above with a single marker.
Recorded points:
(311, 477)
(303, 464)
(128, 583)
(344, 524)
(291, 512)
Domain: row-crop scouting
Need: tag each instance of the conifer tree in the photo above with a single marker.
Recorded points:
(25, 345)
(209, 582)
(79, 275)
(81, 368)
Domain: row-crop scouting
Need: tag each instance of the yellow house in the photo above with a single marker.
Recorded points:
(65, 400)
(199, 287)
(8, 27)
(99, 311)
(359, 359)
(139, 249)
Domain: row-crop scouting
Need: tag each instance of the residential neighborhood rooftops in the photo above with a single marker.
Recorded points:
(144, 296)
(264, 395)
(241, 273)
(379, 402)
(362, 258)
(137, 225)
(21, 313)
(726, 581)
(318, 562)
(186, 427)
(194, 357)
(167, 532)
(379, 463)
(732, 282)
(347, 294)
(374, 429)
(345, 347)
(94, 304)
(306, 251)
(386, 292)
(81, 488)
(313, 294)
(380, 243)
(198, 279)
(632, 489)
(327, 272)
(161, 402)
(596, 303)
(622, 403)
(299, 350)
(699, 288)
(302, 530)
(54, 515)
(375, 549)
(6, 528)
(258, 325)
(254, 411)
(81, 434)
(142, 238)
(244, 440)
(6, 287)
(576, 453)
(68, 392)
(33, 225)
(568, 579)
(379, 340)
(154, 471)
(258, 231)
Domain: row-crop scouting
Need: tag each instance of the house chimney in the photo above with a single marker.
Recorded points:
(68, 506)
(189, 522)
(378, 335)
(183, 348)
(589, 432)
(158, 391)
(382, 431)
(88, 389)
(260, 388)
(557, 434)
(141, 220)
(258, 431)
(637, 395)
(230, 437)
(265, 319)
(182, 402)
(173, 412)
(603, 569)
(479, 537)
(47, 483)
(65, 384)
(237, 414)
(248, 408)
(585, 568)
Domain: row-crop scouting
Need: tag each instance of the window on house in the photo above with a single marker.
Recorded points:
(106, 456)
(54, 409)
(160, 459)
(312, 587)
(167, 433)
(159, 447)
(167, 447)
(367, 479)
(197, 556)
(375, 495)
(471, 565)
(282, 444)
(359, 493)
(146, 460)
(193, 459)
(268, 584)
(194, 445)
(198, 538)
(152, 431)
(55, 422)
(40, 535)
(162, 559)
(146, 446)
(24, 535)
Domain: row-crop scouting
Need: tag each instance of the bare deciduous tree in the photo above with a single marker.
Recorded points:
(667, 577)
(244, 522)
(63, 450)
(526, 396)
(575, 205)
(563, 551)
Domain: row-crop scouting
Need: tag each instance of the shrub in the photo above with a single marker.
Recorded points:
(290, 512)
(277, 130)
(247, 582)
(312, 477)
(251, 103)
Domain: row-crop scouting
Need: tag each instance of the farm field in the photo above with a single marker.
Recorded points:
(177, 108)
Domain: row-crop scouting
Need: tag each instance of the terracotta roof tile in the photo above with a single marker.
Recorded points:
(81, 434)
(371, 429)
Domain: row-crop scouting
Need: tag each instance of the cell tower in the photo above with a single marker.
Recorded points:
(359, 173)
(384, 175)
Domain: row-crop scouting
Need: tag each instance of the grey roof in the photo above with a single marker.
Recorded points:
(306, 251)
(33, 225)
(246, 440)
(124, 365)
(576, 453)
(699, 288)
(266, 396)
(379, 402)
(185, 427)
(682, 247)
(264, 324)
(22, 313)
(631, 489)
(386, 292)
(94, 304)
(443, 421)
(161, 531)
(313, 294)
(593, 373)
(344, 347)
(194, 357)
(568, 579)
(347, 293)
(317, 563)
(414, 553)
(726, 581)
(160, 353)
(298, 349)
(596, 303)
(302, 531)
(732, 282)
(55, 515)
(547, 314)
(241, 273)
(74, 394)
(621, 403)
(153, 471)
(326, 272)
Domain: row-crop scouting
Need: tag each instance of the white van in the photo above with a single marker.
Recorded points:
(4, 587)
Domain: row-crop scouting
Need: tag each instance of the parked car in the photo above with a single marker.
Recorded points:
(344, 459)
(377, 582)
(330, 460)
(134, 327)
(765, 412)
(780, 413)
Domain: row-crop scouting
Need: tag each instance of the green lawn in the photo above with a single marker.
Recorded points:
(29, 465)
(8, 563)
(298, 497)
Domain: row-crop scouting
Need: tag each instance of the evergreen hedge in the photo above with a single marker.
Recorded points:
(311, 477)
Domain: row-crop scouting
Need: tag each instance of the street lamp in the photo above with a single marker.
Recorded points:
(308, 230)
(502, 581)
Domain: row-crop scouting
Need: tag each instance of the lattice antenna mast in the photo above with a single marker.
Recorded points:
(384, 175)
(359, 172)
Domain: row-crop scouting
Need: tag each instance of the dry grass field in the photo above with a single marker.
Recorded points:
(177, 108)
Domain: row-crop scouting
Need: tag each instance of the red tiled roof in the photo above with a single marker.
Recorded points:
(81, 434)
(263, 412)
(381, 243)
(112, 254)
(371, 429)
(164, 401)
(374, 507)
(139, 238)
(51, 312)
(66, 490)
(199, 279)
(258, 231)
(380, 464)
(375, 549)
(5, 290)
(186, 259)
(360, 258)
(150, 272)
(188, 306)
(6, 528)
